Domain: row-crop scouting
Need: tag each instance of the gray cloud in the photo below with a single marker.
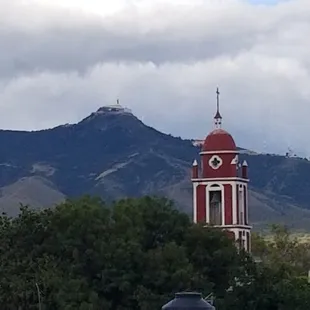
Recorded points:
(164, 61)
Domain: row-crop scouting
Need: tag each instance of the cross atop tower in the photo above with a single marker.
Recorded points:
(218, 117)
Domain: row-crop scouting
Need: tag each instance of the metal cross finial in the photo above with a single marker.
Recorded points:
(218, 99)
(218, 117)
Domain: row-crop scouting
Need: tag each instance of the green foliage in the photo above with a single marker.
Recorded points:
(282, 250)
(281, 277)
(85, 255)
(134, 255)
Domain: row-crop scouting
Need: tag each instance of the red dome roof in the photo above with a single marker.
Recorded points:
(219, 140)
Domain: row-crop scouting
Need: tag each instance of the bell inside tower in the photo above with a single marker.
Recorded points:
(215, 203)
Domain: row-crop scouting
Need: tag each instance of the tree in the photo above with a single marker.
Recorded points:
(134, 255)
(84, 254)
(282, 250)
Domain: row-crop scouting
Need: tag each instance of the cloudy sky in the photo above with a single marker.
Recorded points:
(62, 59)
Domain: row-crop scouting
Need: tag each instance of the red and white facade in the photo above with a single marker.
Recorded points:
(220, 186)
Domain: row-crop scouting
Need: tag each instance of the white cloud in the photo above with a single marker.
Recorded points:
(60, 60)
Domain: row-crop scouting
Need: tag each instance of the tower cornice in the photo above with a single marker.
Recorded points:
(237, 226)
(218, 152)
(208, 180)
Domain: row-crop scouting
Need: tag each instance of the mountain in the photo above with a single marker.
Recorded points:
(34, 191)
(113, 154)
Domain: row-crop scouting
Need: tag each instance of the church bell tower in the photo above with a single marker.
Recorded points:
(220, 185)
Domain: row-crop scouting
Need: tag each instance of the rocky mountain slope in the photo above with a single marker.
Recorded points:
(116, 155)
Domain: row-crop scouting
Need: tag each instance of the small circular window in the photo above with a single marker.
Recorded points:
(215, 162)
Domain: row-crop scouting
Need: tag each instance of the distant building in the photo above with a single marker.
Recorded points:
(197, 142)
(220, 185)
(114, 108)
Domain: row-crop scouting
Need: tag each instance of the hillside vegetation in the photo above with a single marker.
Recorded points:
(117, 156)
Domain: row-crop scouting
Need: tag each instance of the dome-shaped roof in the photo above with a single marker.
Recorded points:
(219, 140)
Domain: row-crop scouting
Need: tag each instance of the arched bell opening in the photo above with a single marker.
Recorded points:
(215, 209)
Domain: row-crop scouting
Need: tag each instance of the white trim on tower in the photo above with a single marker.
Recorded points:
(195, 185)
(207, 205)
(221, 182)
(218, 152)
(241, 204)
(215, 180)
(246, 202)
(234, 203)
(223, 204)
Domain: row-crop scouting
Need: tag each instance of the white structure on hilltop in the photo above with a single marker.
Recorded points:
(114, 108)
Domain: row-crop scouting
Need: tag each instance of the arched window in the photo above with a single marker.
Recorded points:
(215, 205)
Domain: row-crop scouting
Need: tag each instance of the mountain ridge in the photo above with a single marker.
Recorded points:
(114, 155)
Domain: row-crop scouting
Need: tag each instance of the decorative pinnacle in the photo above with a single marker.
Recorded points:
(195, 163)
(218, 117)
(218, 114)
